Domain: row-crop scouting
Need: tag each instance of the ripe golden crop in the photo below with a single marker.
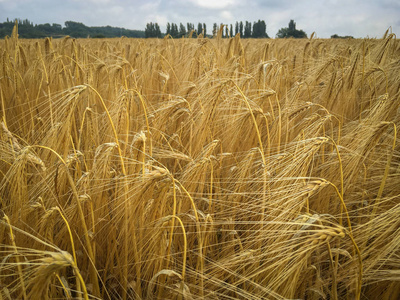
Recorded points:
(199, 168)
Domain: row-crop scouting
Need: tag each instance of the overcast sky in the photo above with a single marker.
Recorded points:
(359, 18)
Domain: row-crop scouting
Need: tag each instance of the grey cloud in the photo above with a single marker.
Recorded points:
(360, 18)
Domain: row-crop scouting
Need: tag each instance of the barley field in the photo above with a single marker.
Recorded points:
(199, 168)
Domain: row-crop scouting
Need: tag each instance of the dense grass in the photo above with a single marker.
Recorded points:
(200, 169)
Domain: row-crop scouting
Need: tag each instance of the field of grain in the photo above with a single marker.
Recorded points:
(199, 168)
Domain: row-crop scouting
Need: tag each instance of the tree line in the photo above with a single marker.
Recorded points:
(245, 29)
(27, 29)
(189, 30)
(291, 31)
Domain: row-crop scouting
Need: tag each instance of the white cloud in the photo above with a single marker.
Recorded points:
(116, 10)
(226, 16)
(361, 18)
(95, 2)
(150, 6)
(214, 4)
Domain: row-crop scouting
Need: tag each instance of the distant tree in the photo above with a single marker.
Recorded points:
(226, 31)
(25, 22)
(47, 29)
(283, 33)
(205, 29)
(300, 34)
(292, 26)
(190, 28)
(215, 29)
(182, 30)
(236, 27)
(256, 30)
(247, 30)
(157, 31)
(72, 24)
(57, 27)
(336, 36)
(291, 31)
(99, 36)
(168, 31)
(241, 28)
(199, 28)
(27, 29)
(152, 30)
(75, 29)
(174, 30)
(149, 30)
(259, 29)
(231, 31)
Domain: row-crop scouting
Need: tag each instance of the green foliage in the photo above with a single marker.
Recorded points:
(259, 29)
(336, 36)
(241, 28)
(152, 30)
(190, 28)
(215, 29)
(199, 28)
(247, 30)
(110, 32)
(174, 30)
(99, 36)
(27, 29)
(283, 33)
(291, 31)
(77, 29)
(244, 29)
(182, 30)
